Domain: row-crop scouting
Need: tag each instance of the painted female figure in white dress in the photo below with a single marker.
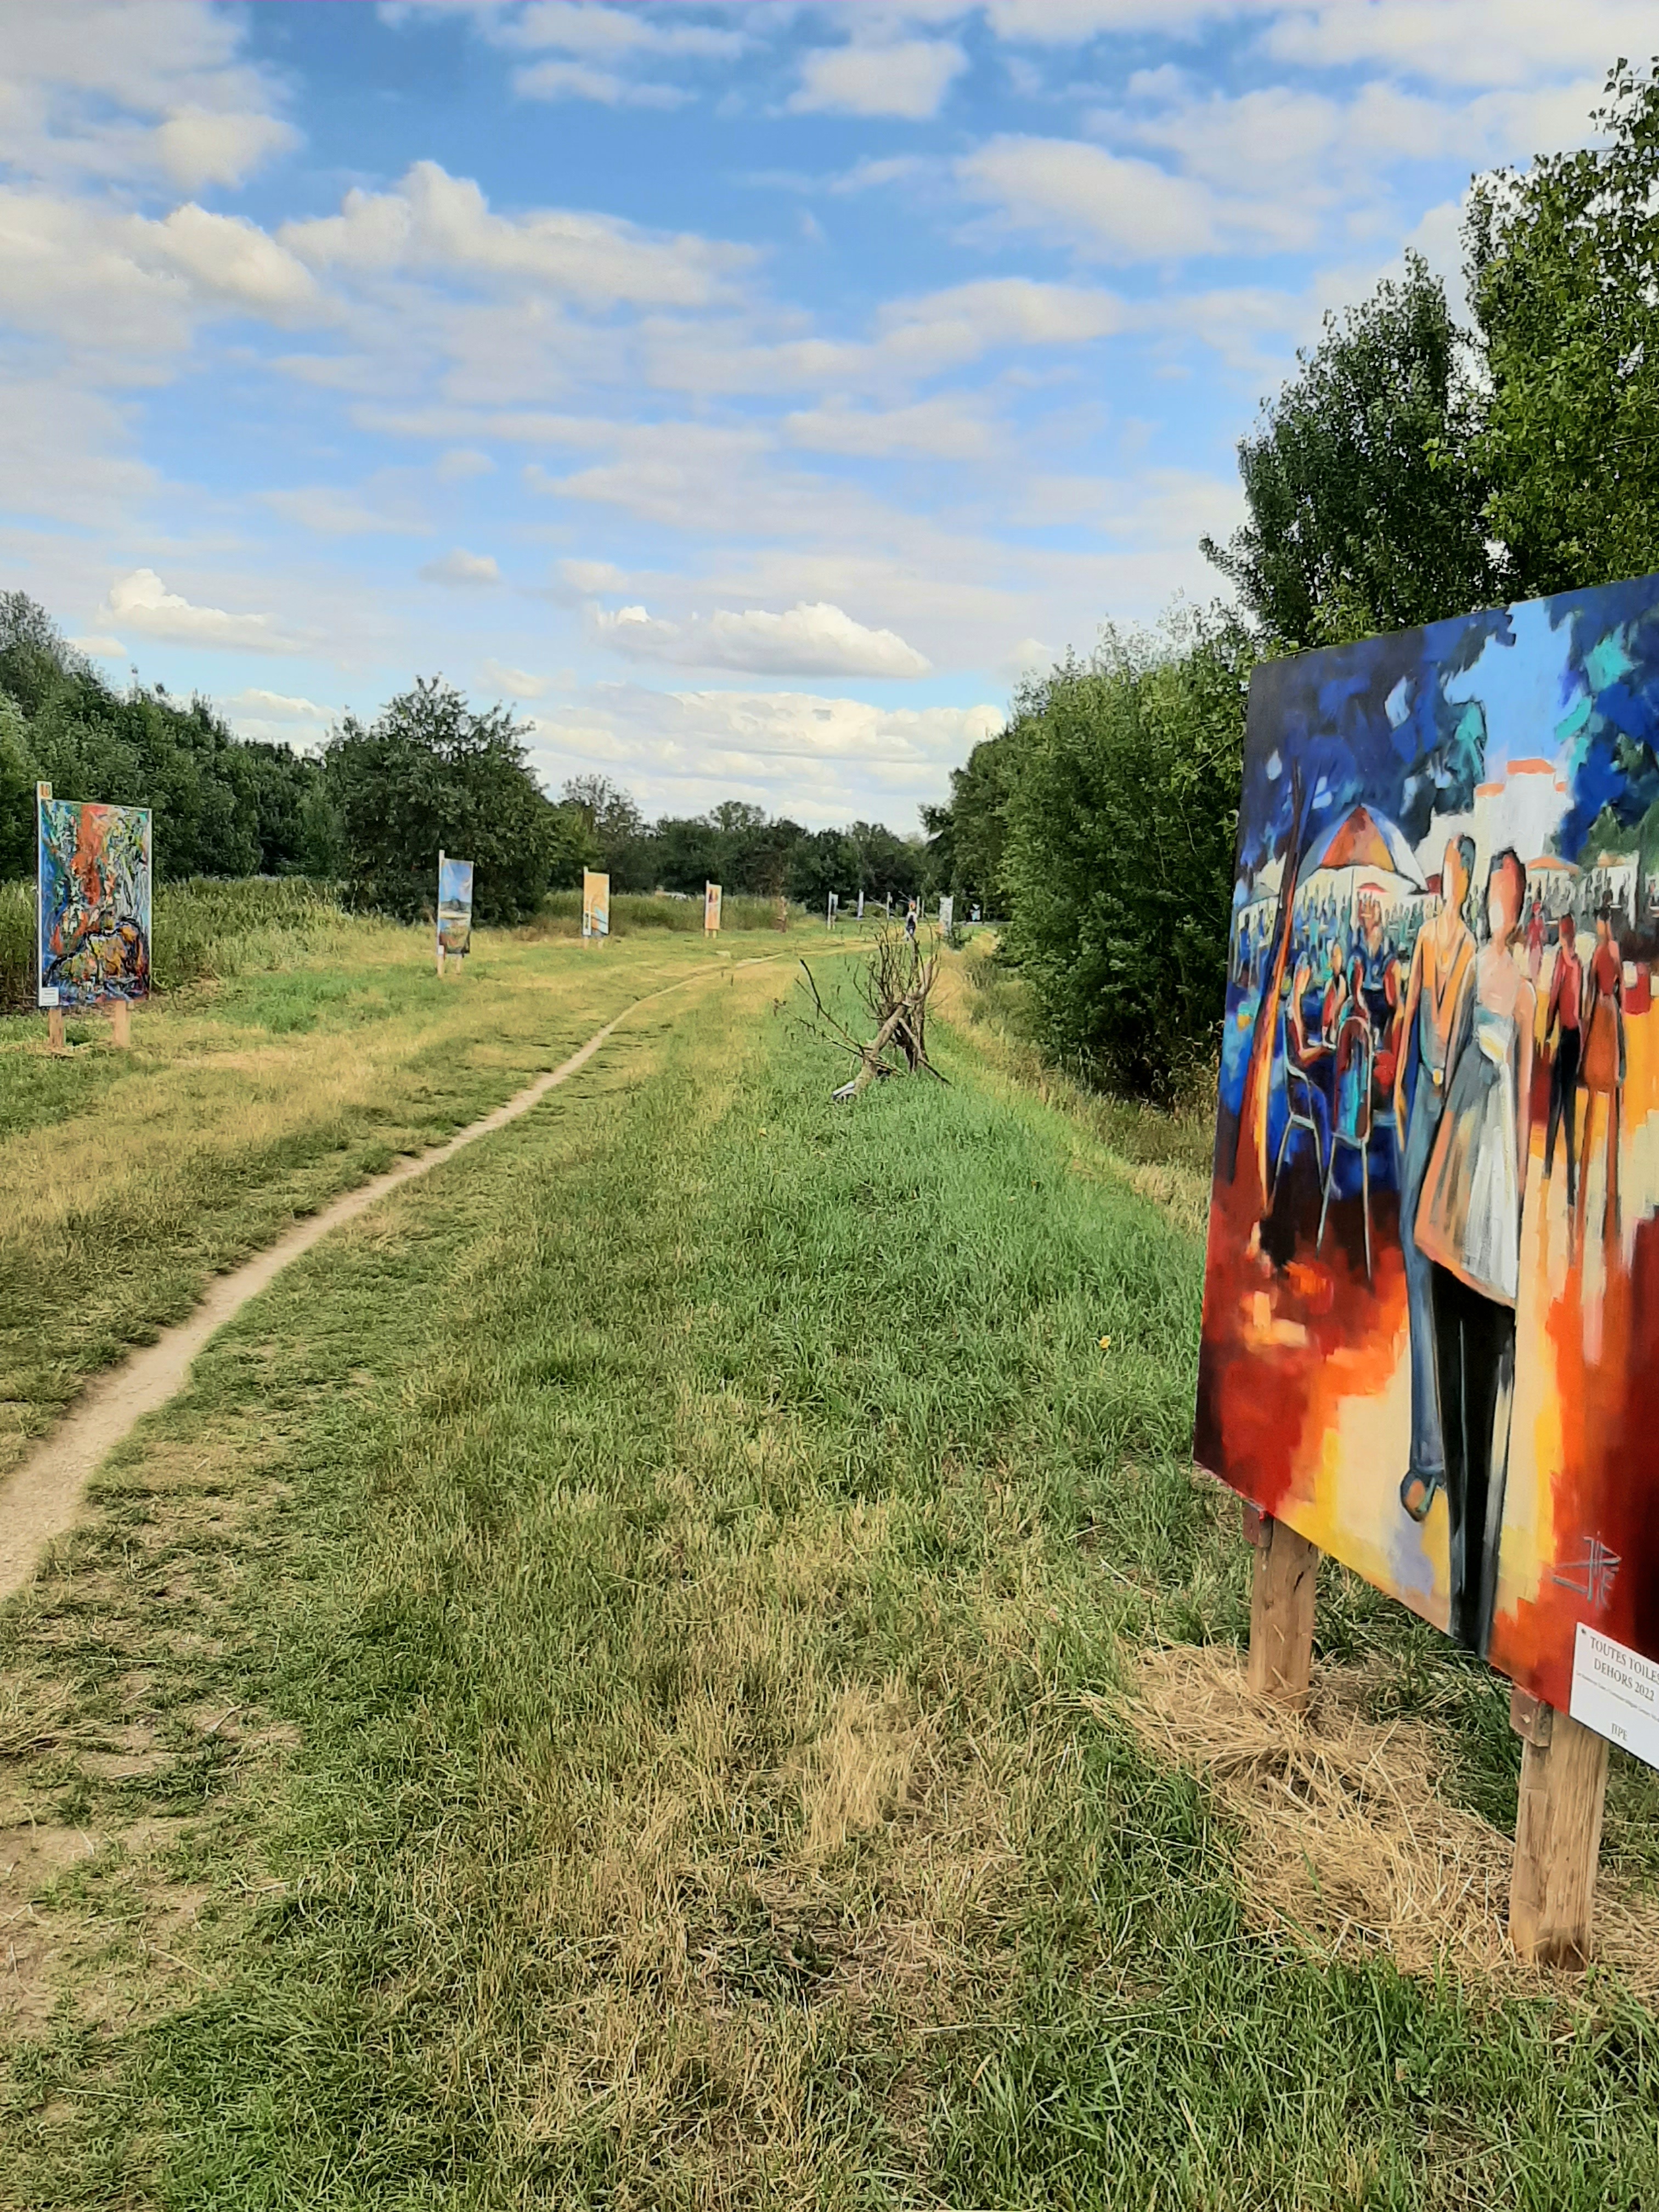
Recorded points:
(1468, 1227)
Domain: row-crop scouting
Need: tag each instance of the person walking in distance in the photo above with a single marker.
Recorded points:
(1562, 1038)
(1468, 1227)
(1437, 997)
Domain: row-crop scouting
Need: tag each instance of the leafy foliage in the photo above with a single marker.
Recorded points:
(1350, 529)
(432, 773)
(1119, 860)
(1563, 267)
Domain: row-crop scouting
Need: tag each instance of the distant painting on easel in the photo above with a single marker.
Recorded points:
(93, 903)
(711, 909)
(1431, 1296)
(596, 904)
(454, 906)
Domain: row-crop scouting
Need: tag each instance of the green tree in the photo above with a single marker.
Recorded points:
(1119, 861)
(432, 773)
(970, 832)
(1564, 277)
(1350, 529)
(17, 782)
(617, 839)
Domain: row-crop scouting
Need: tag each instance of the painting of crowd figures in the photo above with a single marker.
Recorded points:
(1432, 1294)
(92, 902)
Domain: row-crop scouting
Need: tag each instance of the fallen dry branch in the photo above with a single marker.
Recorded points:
(895, 987)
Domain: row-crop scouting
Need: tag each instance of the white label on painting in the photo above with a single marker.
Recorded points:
(49, 994)
(1615, 1692)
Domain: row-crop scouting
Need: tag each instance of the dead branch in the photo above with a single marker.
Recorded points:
(894, 985)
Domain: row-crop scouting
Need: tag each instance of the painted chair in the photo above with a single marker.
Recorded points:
(1302, 1098)
(1352, 1120)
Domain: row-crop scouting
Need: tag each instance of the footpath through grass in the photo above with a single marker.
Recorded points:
(127, 1178)
(606, 1693)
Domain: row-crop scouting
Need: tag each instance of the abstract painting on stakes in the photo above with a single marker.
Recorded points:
(1431, 1293)
(596, 904)
(454, 906)
(93, 886)
(711, 909)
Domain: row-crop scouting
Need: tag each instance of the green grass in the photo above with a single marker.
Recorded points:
(126, 1179)
(606, 1693)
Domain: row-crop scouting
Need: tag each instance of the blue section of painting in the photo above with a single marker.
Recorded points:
(454, 904)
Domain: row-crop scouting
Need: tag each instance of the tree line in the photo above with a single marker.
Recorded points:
(372, 810)
(1412, 469)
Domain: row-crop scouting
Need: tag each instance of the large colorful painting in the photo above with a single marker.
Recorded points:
(596, 904)
(454, 905)
(92, 902)
(1432, 1297)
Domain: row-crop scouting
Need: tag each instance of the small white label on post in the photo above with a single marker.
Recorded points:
(1615, 1691)
(49, 994)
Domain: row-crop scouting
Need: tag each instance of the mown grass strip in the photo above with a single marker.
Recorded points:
(669, 1570)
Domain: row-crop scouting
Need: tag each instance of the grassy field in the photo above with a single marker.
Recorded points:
(329, 1047)
(611, 1690)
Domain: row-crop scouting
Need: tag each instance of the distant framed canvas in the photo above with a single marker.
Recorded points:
(711, 909)
(92, 902)
(1431, 1291)
(596, 904)
(454, 905)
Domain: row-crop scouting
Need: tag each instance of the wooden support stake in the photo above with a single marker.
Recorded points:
(1281, 1610)
(120, 1022)
(55, 1036)
(441, 963)
(1557, 1833)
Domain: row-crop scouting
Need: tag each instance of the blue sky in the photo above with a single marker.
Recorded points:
(748, 393)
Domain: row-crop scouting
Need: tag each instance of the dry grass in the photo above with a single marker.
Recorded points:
(1345, 1840)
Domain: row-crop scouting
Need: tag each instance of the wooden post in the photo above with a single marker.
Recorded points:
(1281, 1610)
(55, 1029)
(441, 963)
(120, 1024)
(1557, 1833)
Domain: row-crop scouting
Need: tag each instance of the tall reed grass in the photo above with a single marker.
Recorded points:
(560, 914)
(206, 927)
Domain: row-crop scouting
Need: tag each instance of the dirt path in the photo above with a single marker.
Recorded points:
(41, 1497)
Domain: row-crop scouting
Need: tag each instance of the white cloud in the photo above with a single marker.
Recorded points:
(595, 29)
(1074, 22)
(141, 601)
(909, 78)
(592, 576)
(944, 428)
(332, 513)
(274, 706)
(462, 570)
(581, 81)
(461, 462)
(437, 224)
(516, 683)
(1476, 42)
(807, 641)
(201, 146)
(1118, 207)
(101, 648)
(821, 760)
